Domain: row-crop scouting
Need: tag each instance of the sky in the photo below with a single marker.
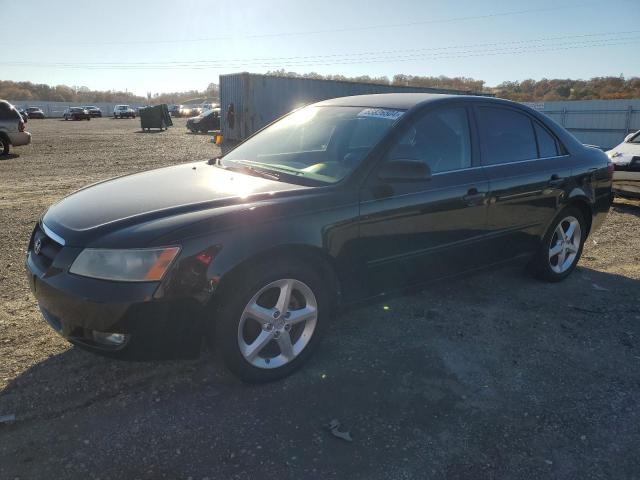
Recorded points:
(163, 46)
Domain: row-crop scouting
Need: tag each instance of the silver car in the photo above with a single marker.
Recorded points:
(626, 164)
(12, 128)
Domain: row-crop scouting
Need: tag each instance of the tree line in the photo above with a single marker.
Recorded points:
(28, 91)
(522, 91)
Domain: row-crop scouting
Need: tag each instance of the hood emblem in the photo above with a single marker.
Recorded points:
(37, 246)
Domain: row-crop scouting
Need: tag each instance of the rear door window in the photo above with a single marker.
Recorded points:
(507, 136)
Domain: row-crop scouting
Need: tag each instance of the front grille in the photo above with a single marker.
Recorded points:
(49, 248)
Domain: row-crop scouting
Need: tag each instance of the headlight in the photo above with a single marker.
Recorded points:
(140, 265)
(612, 154)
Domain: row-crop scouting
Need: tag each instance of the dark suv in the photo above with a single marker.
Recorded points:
(333, 203)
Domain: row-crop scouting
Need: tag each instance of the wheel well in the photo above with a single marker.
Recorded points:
(4, 136)
(586, 210)
(321, 262)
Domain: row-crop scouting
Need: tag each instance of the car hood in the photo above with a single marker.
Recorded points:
(141, 198)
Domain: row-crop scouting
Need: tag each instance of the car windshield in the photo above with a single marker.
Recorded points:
(324, 144)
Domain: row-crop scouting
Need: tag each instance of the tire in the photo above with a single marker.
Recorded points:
(66, 118)
(548, 265)
(232, 326)
(88, 118)
(4, 146)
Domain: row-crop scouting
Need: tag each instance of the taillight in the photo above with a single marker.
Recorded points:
(610, 170)
(20, 126)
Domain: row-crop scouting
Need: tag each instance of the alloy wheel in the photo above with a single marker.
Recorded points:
(277, 323)
(565, 244)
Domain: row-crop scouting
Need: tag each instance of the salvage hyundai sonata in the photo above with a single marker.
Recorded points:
(335, 202)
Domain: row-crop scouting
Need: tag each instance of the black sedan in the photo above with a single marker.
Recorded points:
(333, 203)
(205, 122)
(76, 113)
(35, 112)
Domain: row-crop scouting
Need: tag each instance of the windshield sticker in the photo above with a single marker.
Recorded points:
(381, 113)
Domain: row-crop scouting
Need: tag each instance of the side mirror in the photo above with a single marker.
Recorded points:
(401, 170)
(629, 137)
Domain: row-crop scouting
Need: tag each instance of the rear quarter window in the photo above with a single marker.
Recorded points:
(547, 145)
(8, 113)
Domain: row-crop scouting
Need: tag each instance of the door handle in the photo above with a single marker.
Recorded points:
(474, 197)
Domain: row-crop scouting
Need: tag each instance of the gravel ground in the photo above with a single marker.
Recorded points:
(491, 376)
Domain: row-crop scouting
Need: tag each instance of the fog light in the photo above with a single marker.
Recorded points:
(112, 339)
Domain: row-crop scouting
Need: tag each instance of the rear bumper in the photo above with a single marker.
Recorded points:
(20, 138)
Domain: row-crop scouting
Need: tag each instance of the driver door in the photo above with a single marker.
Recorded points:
(416, 229)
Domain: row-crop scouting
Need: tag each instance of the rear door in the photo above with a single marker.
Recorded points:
(411, 231)
(527, 172)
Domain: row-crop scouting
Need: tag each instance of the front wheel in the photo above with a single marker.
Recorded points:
(561, 246)
(272, 322)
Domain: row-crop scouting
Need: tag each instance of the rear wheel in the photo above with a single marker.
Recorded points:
(270, 325)
(561, 246)
(4, 146)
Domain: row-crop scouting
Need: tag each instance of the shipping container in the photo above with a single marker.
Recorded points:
(250, 101)
(603, 123)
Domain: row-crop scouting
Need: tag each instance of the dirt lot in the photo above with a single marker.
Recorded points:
(492, 376)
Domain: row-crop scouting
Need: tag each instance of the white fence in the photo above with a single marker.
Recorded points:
(604, 123)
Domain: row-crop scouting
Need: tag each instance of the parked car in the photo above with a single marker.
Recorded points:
(174, 110)
(626, 162)
(93, 111)
(209, 120)
(124, 111)
(23, 113)
(333, 203)
(35, 112)
(190, 110)
(76, 113)
(209, 106)
(12, 128)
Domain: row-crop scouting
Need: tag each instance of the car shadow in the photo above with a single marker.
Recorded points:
(454, 366)
(10, 156)
(153, 130)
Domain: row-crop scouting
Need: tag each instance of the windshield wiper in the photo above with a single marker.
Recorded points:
(270, 166)
(251, 170)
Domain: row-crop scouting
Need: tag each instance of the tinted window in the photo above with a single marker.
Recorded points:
(7, 112)
(547, 146)
(507, 135)
(440, 139)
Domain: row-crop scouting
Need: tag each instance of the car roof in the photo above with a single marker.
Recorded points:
(395, 100)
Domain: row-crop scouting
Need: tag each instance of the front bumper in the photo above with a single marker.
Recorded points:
(19, 139)
(76, 307)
